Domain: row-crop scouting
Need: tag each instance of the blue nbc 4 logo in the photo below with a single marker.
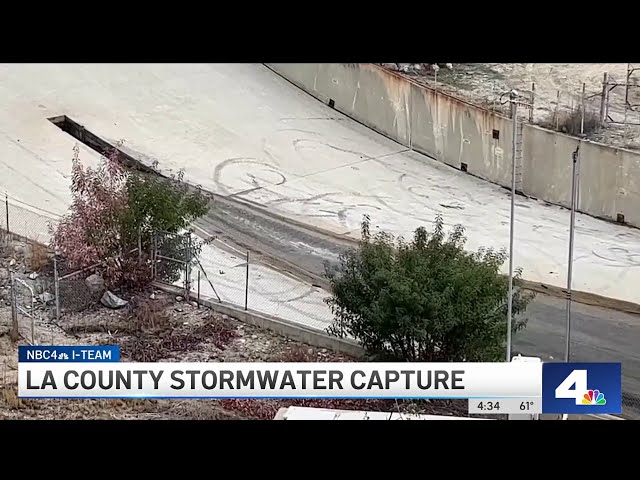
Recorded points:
(580, 393)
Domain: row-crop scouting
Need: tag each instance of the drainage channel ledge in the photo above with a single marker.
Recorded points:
(310, 336)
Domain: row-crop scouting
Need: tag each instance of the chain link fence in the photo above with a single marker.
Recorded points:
(24, 310)
(575, 113)
(241, 278)
(172, 258)
(19, 220)
(73, 291)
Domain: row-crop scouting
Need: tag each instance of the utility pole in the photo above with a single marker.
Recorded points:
(574, 195)
(513, 99)
(513, 95)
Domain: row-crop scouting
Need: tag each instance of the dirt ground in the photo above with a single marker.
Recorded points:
(484, 83)
(165, 329)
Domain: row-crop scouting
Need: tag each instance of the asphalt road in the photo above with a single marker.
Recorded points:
(597, 334)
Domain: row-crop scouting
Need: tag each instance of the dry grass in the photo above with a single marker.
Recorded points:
(38, 257)
(10, 398)
(149, 316)
(571, 122)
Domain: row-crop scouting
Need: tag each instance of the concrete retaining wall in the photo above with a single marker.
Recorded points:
(462, 135)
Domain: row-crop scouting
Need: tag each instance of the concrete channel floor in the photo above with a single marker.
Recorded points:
(242, 131)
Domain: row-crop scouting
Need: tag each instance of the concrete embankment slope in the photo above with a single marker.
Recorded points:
(474, 139)
(243, 131)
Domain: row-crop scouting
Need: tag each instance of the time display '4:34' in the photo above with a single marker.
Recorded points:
(489, 406)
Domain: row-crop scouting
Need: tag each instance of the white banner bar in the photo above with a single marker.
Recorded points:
(295, 380)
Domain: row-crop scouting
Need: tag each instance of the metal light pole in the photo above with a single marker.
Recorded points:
(570, 267)
(574, 193)
(514, 115)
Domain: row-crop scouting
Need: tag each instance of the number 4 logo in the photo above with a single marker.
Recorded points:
(576, 379)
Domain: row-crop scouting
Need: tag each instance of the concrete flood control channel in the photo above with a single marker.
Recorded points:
(600, 334)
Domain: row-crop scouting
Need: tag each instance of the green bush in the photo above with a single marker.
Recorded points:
(424, 300)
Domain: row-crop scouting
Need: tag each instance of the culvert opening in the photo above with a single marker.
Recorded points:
(95, 143)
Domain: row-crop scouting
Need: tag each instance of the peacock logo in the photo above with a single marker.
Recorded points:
(594, 397)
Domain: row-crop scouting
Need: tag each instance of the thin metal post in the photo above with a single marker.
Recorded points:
(603, 100)
(533, 101)
(582, 107)
(56, 285)
(246, 285)
(6, 205)
(15, 331)
(575, 157)
(409, 117)
(514, 116)
(154, 253)
(435, 81)
(626, 97)
(198, 288)
(33, 322)
(556, 113)
(575, 171)
(187, 273)
(582, 119)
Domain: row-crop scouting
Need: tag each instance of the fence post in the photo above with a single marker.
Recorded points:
(533, 100)
(603, 100)
(6, 208)
(33, 321)
(56, 285)
(13, 335)
(187, 272)
(246, 285)
(198, 288)
(557, 109)
(154, 252)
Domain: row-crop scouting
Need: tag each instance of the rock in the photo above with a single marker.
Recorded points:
(110, 300)
(18, 249)
(179, 298)
(152, 296)
(12, 262)
(254, 336)
(310, 351)
(4, 275)
(33, 275)
(194, 304)
(38, 288)
(95, 283)
(178, 309)
(46, 298)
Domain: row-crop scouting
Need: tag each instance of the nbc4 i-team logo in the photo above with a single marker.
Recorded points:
(582, 388)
